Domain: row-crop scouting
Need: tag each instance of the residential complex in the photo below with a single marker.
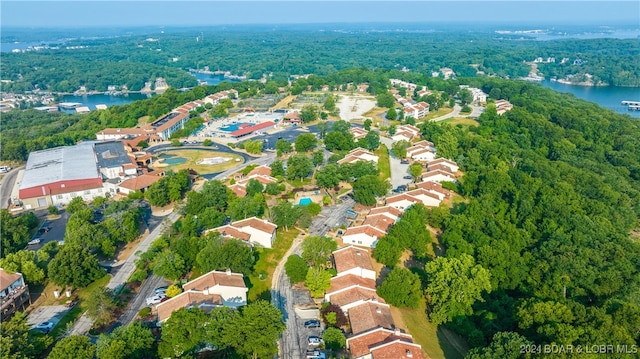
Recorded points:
(14, 293)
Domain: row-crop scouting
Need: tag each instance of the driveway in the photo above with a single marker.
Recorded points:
(398, 170)
(293, 342)
(139, 300)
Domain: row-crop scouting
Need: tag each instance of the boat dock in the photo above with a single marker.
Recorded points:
(632, 105)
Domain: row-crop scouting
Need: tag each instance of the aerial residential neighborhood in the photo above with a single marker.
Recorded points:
(319, 180)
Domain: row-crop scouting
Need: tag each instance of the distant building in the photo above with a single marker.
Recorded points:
(253, 230)
(14, 294)
(503, 106)
(359, 154)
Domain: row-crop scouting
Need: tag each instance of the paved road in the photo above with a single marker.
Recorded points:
(293, 342)
(398, 170)
(139, 300)
(6, 186)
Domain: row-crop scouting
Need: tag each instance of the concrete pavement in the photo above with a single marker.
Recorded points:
(293, 344)
(7, 185)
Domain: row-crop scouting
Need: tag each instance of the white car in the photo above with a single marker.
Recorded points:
(314, 341)
(44, 327)
(155, 299)
(34, 241)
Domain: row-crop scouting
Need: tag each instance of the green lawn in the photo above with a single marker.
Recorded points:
(384, 166)
(268, 258)
(75, 313)
(430, 337)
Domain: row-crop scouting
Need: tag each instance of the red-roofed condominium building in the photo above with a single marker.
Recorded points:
(14, 294)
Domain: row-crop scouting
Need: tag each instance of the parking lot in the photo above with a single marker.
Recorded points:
(50, 313)
(50, 230)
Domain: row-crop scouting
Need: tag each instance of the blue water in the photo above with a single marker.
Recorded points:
(174, 160)
(211, 79)
(92, 100)
(305, 201)
(605, 96)
(232, 127)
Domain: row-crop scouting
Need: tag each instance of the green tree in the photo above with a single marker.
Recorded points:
(367, 188)
(74, 266)
(507, 345)
(415, 169)
(254, 187)
(300, 166)
(328, 176)
(401, 288)
(254, 146)
(314, 208)
(221, 254)
(447, 145)
(317, 158)
(454, 285)
(283, 146)
(333, 315)
(173, 290)
(322, 128)
(330, 103)
(465, 96)
(305, 142)
(73, 346)
(132, 341)
(255, 333)
(309, 113)
(392, 114)
(317, 281)
(183, 333)
(18, 342)
(76, 204)
(386, 100)
(371, 141)
(399, 148)
(245, 207)
(168, 264)
(284, 214)
(24, 262)
(367, 124)
(296, 269)
(388, 251)
(273, 188)
(392, 130)
(100, 306)
(316, 250)
(339, 141)
(334, 338)
(277, 168)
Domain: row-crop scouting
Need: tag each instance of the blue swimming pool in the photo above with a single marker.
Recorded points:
(305, 201)
(232, 127)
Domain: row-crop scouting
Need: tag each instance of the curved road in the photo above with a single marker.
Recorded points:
(6, 186)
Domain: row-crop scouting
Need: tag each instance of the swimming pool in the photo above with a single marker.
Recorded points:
(305, 201)
(232, 127)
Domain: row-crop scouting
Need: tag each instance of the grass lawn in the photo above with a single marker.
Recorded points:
(193, 156)
(384, 166)
(434, 341)
(268, 258)
(465, 122)
(440, 112)
(299, 183)
(75, 312)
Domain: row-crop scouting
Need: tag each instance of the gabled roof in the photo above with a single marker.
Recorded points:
(402, 197)
(421, 192)
(139, 182)
(379, 221)
(439, 166)
(257, 223)
(213, 278)
(238, 189)
(431, 186)
(6, 278)
(351, 257)
(186, 299)
(350, 280)
(361, 344)
(370, 315)
(231, 231)
(364, 229)
(397, 349)
(436, 173)
(247, 130)
(388, 211)
(260, 171)
(353, 295)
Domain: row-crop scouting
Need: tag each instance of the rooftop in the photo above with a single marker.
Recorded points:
(185, 300)
(6, 278)
(370, 315)
(214, 278)
(60, 164)
(111, 154)
(352, 257)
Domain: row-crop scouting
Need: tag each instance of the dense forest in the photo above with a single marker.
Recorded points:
(552, 204)
(132, 60)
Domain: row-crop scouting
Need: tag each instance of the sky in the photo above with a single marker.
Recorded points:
(114, 13)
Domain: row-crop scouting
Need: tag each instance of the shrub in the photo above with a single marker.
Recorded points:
(144, 312)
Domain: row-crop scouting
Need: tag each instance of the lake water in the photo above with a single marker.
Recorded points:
(211, 79)
(101, 99)
(606, 96)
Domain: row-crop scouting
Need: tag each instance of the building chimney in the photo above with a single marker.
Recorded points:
(409, 354)
(228, 271)
(378, 310)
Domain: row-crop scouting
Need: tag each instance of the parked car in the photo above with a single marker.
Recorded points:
(34, 241)
(313, 323)
(314, 341)
(408, 177)
(316, 354)
(160, 290)
(155, 299)
(44, 327)
(404, 161)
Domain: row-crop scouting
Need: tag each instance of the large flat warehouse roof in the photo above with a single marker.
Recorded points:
(60, 164)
